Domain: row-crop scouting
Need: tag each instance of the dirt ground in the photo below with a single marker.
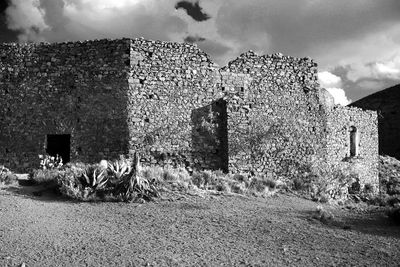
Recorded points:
(190, 231)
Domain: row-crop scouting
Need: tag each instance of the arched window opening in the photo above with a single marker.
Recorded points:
(354, 141)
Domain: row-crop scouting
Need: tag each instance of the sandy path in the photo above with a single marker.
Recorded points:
(228, 231)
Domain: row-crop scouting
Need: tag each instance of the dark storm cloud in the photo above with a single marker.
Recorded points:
(193, 9)
(193, 39)
(3, 6)
(6, 35)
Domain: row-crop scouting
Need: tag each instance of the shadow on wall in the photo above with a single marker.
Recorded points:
(210, 136)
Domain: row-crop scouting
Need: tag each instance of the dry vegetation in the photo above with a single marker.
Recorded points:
(203, 218)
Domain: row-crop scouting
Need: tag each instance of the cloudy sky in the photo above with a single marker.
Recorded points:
(356, 43)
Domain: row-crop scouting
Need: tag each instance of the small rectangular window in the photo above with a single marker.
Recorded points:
(354, 141)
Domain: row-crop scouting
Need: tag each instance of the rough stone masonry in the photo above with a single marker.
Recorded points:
(91, 100)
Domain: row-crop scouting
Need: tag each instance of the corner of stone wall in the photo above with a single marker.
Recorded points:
(353, 142)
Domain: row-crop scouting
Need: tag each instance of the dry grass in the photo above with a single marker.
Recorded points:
(47, 176)
(107, 180)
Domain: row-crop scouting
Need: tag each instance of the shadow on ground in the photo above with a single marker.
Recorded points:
(373, 221)
(36, 192)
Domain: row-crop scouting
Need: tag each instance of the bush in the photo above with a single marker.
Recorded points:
(70, 184)
(261, 186)
(223, 186)
(50, 162)
(240, 177)
(134, 186)
(122, 180)
(239, 188)
(324, 182)
(45, 176)
(156, 174)
(389, 175)
(203, 179)
(6, 176)
(93, 178)
(179, 177)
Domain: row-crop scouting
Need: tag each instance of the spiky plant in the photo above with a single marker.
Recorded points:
(118, 169)
(133, 185)
(94, 178)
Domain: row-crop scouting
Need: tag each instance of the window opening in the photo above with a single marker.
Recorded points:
(354, 141)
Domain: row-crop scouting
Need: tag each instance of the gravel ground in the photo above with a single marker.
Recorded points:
(186, 230)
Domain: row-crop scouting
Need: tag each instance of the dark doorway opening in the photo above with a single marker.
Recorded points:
(59, 144)
(210, 136)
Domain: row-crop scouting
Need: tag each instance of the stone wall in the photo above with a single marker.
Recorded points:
(173, 105)
(75, 88)
(275, 124)
(387, 104)
(174, 115)
(340, 122)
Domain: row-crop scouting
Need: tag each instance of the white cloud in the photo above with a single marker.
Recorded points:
(386, 69)
(62, 20)
(333, 33)
(339, 96)
(327, 79)
(331, 83)
(27, 17)
(389, 69)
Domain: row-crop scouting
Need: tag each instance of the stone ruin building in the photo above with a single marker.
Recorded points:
(91, 100)
(387, 104)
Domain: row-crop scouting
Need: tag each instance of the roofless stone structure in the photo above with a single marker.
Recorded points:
(98, 99)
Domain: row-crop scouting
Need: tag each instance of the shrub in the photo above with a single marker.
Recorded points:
(176, 174)
(45, 176)
(93, 177)
(240, 177)
(389, 175)
(369, 188)
(50, 162)
(70, 185)
(324, 182)
(217, 180)
(84, 182)
(134, 186)
(223, 186)
(202, 179)
(6, 176)
(239, 188)
(259, 184)
(120, 181)
(393, 186)
(118, 169)
(167, 177)
(154, 173)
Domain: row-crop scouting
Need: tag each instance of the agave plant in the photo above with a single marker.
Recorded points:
(119, 169)
(132, 185)
(94, 178)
